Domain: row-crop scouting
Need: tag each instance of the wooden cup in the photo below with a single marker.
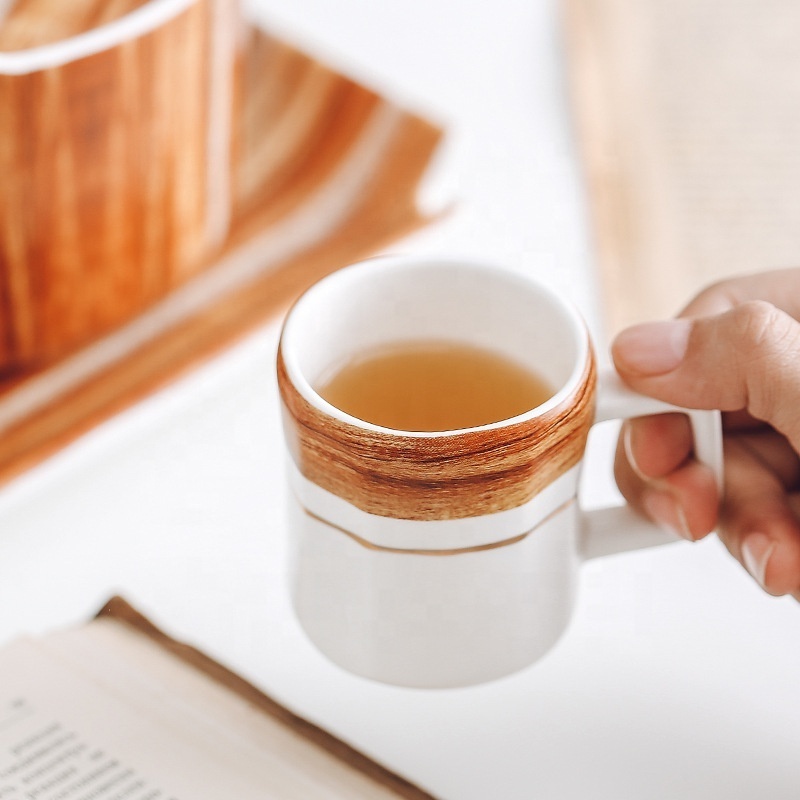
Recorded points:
(447, 558)
(115, 155)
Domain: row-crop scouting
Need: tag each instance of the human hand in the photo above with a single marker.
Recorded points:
(735, 347)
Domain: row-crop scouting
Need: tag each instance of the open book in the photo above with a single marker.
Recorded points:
(116, 710)
(688, 116)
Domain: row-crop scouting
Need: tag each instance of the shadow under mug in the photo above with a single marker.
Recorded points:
(450, 558)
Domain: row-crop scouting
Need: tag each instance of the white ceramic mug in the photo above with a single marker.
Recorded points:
(450, 558)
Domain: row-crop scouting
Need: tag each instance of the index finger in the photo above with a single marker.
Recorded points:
(780, 287)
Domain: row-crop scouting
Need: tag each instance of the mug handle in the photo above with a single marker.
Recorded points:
(616, 529)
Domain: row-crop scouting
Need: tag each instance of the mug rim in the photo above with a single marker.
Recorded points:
(386, 263)
(135, 23)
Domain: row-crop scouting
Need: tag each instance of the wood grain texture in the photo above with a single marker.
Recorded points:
(103, 203)
(301, 121)
(440, 477)
(35, 23)
(287, 244)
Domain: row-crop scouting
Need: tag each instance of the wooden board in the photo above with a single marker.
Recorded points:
(687, 114)
(326, 173)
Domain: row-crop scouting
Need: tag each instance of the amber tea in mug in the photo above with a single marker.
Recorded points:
(433, 385)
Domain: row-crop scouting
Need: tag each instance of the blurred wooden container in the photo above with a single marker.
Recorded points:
(115, 158)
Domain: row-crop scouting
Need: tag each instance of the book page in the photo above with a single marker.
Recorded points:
(134, 668)
(44, 756)
(689, 116)
(55, 741)
(104, 712)
(64, 737)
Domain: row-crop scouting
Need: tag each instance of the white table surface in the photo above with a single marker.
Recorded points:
(677, 677)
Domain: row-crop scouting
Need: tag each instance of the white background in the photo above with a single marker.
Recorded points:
(677, 677)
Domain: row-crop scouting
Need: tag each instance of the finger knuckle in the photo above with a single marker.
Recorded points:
(758, 325)
(769, 343)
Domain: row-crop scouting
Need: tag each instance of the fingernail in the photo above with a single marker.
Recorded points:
(627, 444)
(757, 549)
(653, 348)
(665, 510)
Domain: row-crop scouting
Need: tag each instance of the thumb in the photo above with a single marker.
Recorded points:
(747, 358)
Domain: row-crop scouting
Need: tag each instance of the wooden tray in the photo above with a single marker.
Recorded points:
(341, 189)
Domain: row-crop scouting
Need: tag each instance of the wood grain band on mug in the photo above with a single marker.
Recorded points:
(440, 477)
